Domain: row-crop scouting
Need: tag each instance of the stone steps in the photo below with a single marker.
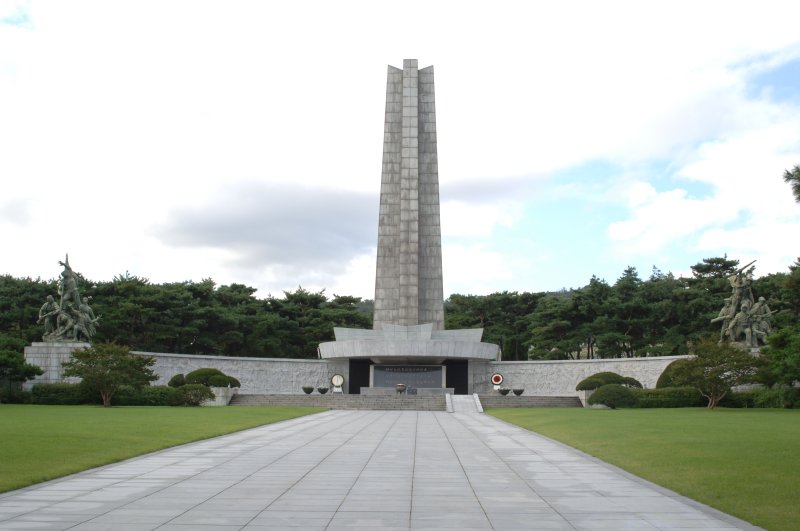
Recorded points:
(337, 401)
(399, 402)
(529, 401)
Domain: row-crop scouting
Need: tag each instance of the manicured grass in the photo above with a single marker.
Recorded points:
(38, 443)
(741, 461)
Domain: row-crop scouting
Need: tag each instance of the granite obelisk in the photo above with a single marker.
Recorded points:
(408, 279)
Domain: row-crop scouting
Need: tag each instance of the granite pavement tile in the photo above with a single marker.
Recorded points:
(360, 470)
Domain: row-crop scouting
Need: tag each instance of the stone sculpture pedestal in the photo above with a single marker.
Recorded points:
(50, 356)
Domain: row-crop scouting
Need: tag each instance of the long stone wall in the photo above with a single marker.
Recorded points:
(287, 376)
(559, 378)
(257, 375)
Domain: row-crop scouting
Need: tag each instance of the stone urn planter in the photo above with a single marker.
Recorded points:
(504, 391)
(401, 388)
(322, 390)
(307, 389)
(518, 391)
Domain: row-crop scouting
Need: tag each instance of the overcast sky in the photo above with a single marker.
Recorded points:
(241, 141)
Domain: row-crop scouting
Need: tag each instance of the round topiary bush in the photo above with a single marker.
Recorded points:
(627, 381)
(668, 377)
(177, 381)
(589, 383)
(211, 378)
(201, 376)
(600, 379)
(218, 380)
(222, 380)
(613, 396)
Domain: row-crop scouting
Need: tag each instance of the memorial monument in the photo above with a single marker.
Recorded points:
(408, 348)
(745, 321)
(69, 324)
(408, 343)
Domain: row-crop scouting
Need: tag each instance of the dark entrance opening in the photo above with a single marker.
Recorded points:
(457, 376)
(359, 375)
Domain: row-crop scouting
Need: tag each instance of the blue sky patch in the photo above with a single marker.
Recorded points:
(779, 84)
(20, 18)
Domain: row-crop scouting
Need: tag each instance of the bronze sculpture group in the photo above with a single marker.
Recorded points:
(70, 319)
(742, 315)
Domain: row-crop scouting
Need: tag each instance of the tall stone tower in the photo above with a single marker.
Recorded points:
(408, 279)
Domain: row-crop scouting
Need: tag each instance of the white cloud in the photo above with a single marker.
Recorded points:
(476, 221)
(473, 269)
(117, 114)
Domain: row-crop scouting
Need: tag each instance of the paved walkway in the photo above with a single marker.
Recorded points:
(360, 470)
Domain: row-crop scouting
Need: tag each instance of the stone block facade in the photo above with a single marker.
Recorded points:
(288, 376)
(408, 278)
(49, 357)
(559, 378)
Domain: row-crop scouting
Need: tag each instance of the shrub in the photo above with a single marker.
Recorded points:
(221, 380)
(742, 399)
(613, 396)
(211, 378)
(668, 377)
(322, 389)
(62, 394)
(589, 383)
(192, 395)
(177, 381)
(308, 389)
(632, 383)
(504, 391)
(151, 395)
(779, 396)
(201, 376)
(218, 380)
(600, 379)
(518, 391)
(669, 397)
(13, 394)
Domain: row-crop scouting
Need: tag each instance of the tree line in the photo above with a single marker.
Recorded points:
(191, 317)
(633, 317)
(658, 315)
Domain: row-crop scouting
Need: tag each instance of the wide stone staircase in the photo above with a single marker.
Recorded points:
(342, 401)
(529, 401)
(399, 402)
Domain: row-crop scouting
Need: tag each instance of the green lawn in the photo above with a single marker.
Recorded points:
(744, 462)
(38, 443)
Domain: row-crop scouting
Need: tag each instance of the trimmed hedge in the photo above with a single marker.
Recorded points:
(152, 395)
(222, 380)
(193, 394)
(669, 397)
(613, 396)
(14, 394)
(63, 394)
(782, 397)
(776, 397)
(66, 394)
(211, 378)
(177, 380)
(667, 378)
(600, 379)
